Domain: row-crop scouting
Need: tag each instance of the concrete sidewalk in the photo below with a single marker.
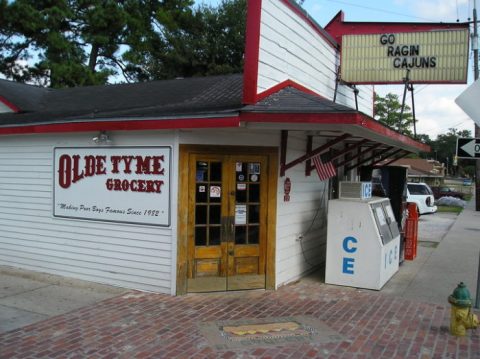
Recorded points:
(27, 297)
(443, 260)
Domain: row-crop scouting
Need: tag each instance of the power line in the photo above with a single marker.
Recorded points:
(447, 127)
(379, 10)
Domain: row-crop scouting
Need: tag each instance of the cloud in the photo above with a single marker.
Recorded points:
(435, 108)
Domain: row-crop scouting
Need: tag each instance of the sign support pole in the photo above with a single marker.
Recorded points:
(410, 88)
(477, 129)
(406, 80)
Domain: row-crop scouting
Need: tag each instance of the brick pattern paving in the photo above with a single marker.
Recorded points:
(144, 325)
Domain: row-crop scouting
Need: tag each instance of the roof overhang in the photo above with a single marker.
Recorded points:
(358, 125)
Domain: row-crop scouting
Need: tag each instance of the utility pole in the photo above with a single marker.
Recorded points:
(477, 129)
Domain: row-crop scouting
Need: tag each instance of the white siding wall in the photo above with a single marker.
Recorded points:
(136, 256)
(133, 256)
(303, 216)
(291, 49)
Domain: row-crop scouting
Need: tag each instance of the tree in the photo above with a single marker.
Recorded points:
(85, 42)
(210, 42)
(388, 110)
(444, 149)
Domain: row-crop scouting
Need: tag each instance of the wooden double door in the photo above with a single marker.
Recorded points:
(227, 222)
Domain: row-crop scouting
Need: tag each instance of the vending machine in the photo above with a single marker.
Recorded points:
(363, 241)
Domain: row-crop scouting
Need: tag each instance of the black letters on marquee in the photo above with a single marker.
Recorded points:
(406, 56)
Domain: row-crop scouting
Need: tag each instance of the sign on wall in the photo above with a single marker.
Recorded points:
(431, 57)
(119, 184)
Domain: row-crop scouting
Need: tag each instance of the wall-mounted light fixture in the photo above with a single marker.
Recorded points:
(102, 138)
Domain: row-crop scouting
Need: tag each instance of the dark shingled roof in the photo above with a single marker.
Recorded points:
(292, 100)
(198, 97)
(26, 97)
(182, 97)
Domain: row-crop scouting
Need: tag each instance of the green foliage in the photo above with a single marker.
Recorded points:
(85, 42)
(449, 209)
(388, 110)
(210, 43)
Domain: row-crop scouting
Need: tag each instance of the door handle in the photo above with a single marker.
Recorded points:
(231, 252)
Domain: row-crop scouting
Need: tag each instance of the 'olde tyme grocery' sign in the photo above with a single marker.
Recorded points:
(120, 184)
(430, 57)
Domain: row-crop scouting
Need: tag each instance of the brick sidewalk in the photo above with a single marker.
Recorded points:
(356, 324)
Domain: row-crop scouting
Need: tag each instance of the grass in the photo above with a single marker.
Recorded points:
(450, 209)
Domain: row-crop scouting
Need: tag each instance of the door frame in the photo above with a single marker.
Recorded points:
(183, 199)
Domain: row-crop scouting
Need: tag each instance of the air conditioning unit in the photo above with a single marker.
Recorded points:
(358, 190)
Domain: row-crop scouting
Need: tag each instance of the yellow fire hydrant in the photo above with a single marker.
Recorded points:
(461, 316)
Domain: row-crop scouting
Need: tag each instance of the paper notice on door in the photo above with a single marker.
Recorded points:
(241, 214)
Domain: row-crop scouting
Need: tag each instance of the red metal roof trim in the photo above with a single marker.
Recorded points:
(131, 125)
(252, 50)
(281, 86)
(357, 119)
(337, 27)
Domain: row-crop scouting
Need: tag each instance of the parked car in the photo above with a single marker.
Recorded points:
(439, 192)
(422, 196)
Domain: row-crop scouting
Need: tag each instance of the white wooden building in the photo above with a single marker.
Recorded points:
(180, 186)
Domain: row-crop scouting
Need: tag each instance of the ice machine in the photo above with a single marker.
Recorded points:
(363, 242)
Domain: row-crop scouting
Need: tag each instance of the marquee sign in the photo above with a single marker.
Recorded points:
(119, 184)
(431, 56)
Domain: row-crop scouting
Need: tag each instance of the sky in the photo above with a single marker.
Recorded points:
(435, 107)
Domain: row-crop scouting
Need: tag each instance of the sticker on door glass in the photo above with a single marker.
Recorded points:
(238, 166)
(241, 177)
(241, 186)
(253, 178)
(215, 191)
(200, 175)
(254, 168)
(201, 189)
(241, 214)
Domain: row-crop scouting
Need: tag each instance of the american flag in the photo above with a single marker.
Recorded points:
(325, 169)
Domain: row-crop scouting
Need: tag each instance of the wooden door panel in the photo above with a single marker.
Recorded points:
(207, 267)
(227, 222)
(246, 269)
(246, 265)
(246, 251)
(208, 204)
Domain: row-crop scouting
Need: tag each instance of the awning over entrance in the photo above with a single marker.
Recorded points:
(365, 140)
